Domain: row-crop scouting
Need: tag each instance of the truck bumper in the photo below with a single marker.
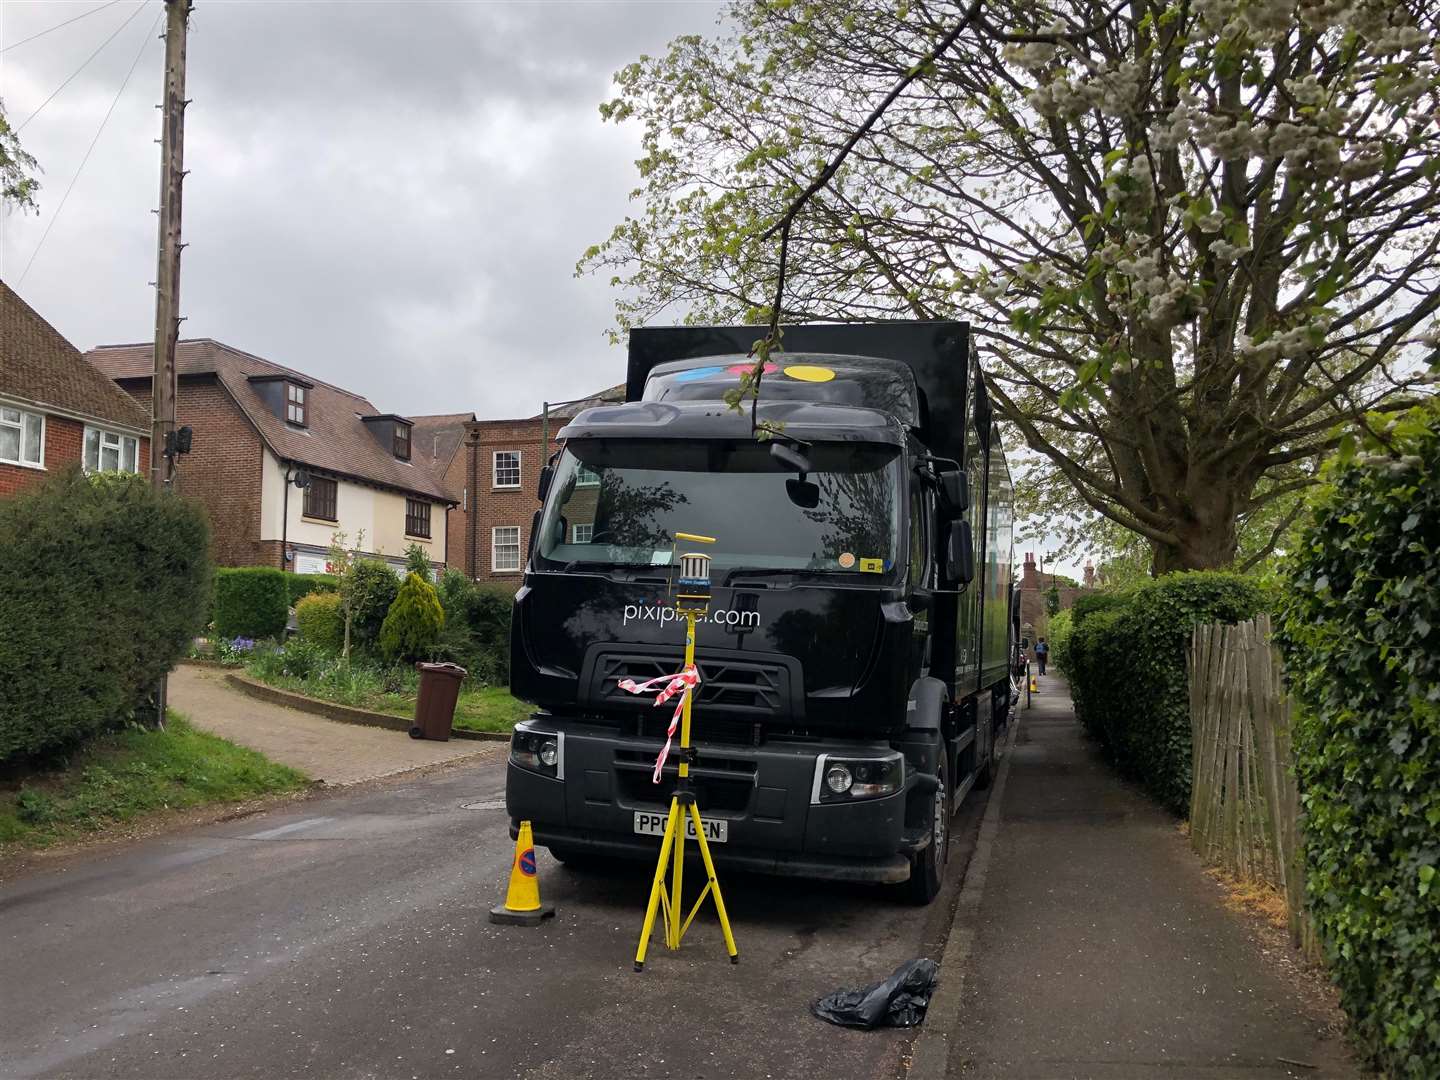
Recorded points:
(765, 794)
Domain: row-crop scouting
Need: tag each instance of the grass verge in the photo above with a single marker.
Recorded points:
(128, 774)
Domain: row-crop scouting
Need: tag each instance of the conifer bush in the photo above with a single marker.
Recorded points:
(1360, 632)
(103, 586)
(412, 626)
(320, 621)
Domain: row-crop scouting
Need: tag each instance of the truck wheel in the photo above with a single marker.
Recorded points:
(575, 860)
(927, 867)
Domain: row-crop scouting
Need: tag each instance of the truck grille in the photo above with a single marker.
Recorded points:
(734, 687)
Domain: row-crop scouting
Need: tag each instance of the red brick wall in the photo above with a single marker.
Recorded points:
(64, 445)
(491, 507)
(222, 469)
(457, 519)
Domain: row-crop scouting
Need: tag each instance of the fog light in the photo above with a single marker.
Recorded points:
(838, 779)
(549, 752)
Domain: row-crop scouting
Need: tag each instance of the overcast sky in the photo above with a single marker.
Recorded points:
(388, 196)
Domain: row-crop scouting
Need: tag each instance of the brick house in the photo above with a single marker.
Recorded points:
(55, 409)
(259, 428)
(492, 472)
(1035, 586)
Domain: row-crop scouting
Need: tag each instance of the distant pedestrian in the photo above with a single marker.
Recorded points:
(1042, 652)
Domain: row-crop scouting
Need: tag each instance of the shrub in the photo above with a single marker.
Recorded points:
(1058, 635)
(1129, 675)
(477, 627)
(320, 621)
(373, 589)
(413, 623)
(250, 601)
(417, 561)
(299, 586)
(1089, 604)
(1360, 631)
(103, 586)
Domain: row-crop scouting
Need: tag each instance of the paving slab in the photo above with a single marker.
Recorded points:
(1100, 947)
(322, 749)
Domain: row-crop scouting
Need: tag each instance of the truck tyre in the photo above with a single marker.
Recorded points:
(927, 866)
(575, 860)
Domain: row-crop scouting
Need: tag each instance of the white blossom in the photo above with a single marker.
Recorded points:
(1226, 252)
(1212, 222)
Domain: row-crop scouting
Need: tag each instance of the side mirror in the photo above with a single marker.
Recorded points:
(547, 476)
(960, 558)
(954, 494)
(534, 535)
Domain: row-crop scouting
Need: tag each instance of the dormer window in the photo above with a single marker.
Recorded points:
(402, 441)
(295, 404)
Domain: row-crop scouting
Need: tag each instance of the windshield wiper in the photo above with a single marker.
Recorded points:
(767, 571)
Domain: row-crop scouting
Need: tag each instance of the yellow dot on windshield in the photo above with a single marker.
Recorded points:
(809, 373)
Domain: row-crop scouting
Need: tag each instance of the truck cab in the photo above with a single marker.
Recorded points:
(852, 678)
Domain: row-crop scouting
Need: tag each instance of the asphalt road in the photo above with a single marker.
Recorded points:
(347, 936)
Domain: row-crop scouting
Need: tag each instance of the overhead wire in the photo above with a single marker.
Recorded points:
(58, 26)
(139, 8)
(98, 132)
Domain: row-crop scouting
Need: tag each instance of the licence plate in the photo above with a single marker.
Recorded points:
(717, 830)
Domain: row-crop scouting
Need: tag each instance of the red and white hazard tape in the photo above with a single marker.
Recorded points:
(682, 683)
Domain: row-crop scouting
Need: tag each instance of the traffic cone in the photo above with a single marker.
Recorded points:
(1034, 683)
(522, 905)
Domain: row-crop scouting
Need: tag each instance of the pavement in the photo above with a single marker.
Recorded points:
(322, 749)
(1094, 944)
(347, 936)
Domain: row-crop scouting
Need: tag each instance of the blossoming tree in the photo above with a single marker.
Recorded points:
(1195, 239)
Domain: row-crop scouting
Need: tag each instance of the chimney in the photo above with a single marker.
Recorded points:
(1031, 576)
(1089, 574)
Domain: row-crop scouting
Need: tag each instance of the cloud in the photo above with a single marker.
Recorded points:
(390, 197)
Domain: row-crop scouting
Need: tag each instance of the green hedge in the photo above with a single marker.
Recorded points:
(1128, 673)
(250, 602)
(299, 586)
(1361, 636)
(102, 588)
(412, 626)
(1091, 603)
(1057, 634)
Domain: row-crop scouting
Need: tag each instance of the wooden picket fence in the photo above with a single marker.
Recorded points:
(1244, 804)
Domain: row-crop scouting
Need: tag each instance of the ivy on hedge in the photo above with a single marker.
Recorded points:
(1128, 674)
(1361, 637)
(103, 587)
(251, 602)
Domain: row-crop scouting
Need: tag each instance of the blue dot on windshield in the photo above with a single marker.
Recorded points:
(698, 373)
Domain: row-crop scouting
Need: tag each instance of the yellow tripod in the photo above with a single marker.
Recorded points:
(692, 600)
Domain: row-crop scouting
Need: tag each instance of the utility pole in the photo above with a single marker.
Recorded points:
(167, 273)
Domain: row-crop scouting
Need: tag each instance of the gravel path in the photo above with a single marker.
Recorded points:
(322, 749)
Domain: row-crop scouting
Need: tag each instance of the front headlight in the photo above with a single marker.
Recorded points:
(846, 778)
(538, 751)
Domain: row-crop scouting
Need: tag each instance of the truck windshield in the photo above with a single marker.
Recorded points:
(620, 502)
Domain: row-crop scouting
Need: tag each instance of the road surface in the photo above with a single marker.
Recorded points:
(346, 936)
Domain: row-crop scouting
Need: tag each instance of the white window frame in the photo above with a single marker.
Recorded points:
(495, 470)
(495, 549)
(297, 401)
(576, 538)
(19, 426)
(109, 440)
(584, 477)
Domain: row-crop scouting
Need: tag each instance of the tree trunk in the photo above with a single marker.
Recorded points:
(1203, 546)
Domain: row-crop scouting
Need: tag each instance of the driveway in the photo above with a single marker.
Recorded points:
(322, 749)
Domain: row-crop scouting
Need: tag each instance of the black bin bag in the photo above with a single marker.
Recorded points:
(899, 1001)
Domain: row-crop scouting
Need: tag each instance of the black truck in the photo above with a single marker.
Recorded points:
(855, 660)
